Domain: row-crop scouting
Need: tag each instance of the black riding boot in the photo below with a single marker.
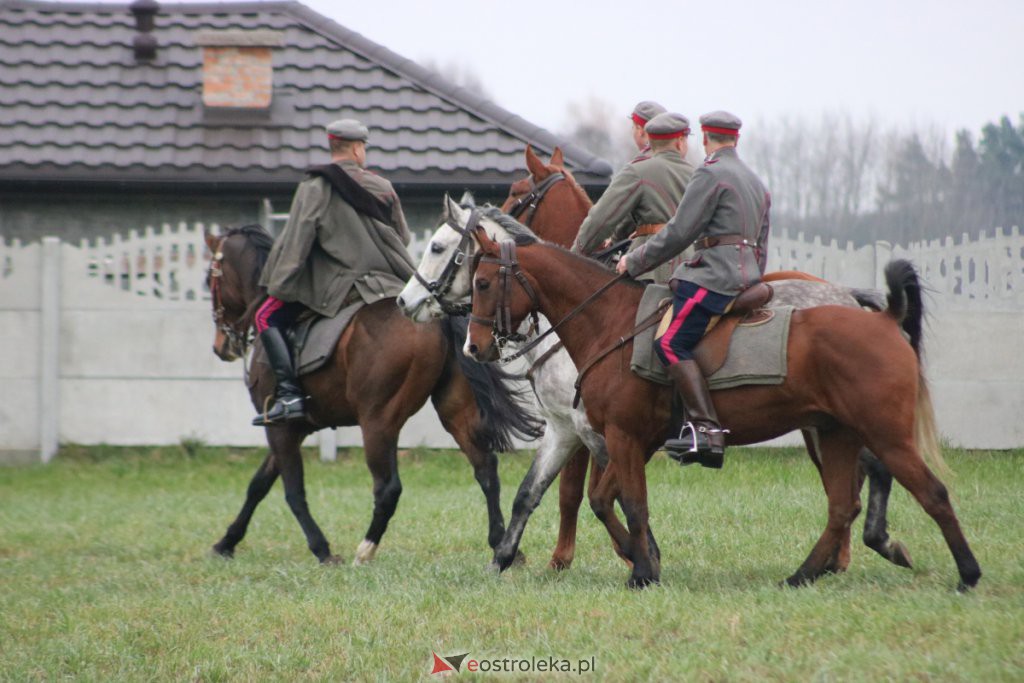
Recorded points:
(288, 397)
(702, 439)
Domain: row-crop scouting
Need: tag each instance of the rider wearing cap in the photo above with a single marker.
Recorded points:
(345, 241)
(724, 214)
(643, 112)
(644, 194)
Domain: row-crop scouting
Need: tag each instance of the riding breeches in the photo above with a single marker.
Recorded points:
(694, 308)
(276, 313)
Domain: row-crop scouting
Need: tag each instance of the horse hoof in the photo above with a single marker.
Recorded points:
(899, 555)
(519, 560)
(365, 553)
(796, 581)
(559, 564)
(640, 582)
(225, 553)
(493, 568)
(332, 561)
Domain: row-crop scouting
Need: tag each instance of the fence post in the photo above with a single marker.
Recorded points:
(883, 254)
(49, 349)
(328, 445)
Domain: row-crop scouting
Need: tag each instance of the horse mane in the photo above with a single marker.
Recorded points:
(521, 234)
(260, 241)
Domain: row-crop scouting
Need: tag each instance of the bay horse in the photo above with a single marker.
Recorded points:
(382, 371)
(852, 381)
(552, 204)
(442, 283)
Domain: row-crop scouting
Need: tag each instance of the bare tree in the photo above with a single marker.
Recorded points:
(599, 127)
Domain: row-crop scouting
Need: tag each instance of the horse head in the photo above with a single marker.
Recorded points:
(441, 283)
(549, 200)
(502, 296)
(236, 260)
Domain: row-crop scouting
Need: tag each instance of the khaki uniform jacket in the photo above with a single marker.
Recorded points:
(641, 193)
(328, 254)
(724, 197)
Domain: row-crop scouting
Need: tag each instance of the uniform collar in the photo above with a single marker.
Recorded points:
(729, 151)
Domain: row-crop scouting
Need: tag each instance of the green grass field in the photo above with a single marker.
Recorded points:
(105, 575)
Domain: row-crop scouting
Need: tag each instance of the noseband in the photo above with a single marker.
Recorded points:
(239, 340)
(501, 324)
(528, 202)
(443, 284)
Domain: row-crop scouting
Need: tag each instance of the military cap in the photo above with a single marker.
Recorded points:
(645, 111)
(721, 122)
(347, 129)
(667, 126)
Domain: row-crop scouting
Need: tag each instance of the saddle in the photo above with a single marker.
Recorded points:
(746, 346)
(746, 309)
(313, 339)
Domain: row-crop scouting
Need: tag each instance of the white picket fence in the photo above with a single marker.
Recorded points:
(109, 341)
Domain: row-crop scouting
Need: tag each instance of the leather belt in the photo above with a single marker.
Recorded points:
(647, 229)
(723, 241)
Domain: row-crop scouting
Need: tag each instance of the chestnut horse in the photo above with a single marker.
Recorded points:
(383, 370)
(852, 381)
(553, 206)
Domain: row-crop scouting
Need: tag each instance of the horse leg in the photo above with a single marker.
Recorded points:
(876, 535)
(837, 450)
(905, 463)
(631, 472)
(260, 484)
(570, 497)
(284, 444)
(841, 560)
(460, 417)
(556, 447)
(602, 495)
(380, 443)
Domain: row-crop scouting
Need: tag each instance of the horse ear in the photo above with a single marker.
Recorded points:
(468, 199)
(534, 165)
(451, 209)
(557, 159)
(488, 246)
(210, 239)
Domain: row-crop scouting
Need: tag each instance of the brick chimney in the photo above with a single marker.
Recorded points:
(237, 69)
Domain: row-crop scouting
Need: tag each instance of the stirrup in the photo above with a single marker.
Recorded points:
(282, 410)
(693, 445)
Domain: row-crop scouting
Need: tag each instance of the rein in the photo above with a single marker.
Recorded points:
(443, 284)
(508, 266)
(240, 340)
(528, 203)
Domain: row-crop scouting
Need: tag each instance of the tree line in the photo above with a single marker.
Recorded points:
(841, 178)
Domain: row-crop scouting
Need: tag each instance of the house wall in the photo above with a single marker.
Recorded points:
(109, 341)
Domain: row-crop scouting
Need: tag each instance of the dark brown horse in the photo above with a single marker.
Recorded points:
(553, 205)
(383, 370)
(852, 381)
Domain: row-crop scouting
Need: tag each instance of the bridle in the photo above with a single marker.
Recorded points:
(443, 284)
(239, 340)
(501, 324)
(528, 202)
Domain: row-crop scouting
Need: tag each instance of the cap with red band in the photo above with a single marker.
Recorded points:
(645, 111)
(721, 123)
(347, 129)
(667, 126)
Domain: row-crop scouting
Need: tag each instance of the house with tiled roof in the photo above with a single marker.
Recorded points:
(116, 116)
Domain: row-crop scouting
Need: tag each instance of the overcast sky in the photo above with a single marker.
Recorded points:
(910, 63)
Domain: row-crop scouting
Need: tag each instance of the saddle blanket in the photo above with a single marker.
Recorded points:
(313, 339)
(757, 351)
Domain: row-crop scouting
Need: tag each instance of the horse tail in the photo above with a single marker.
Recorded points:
(906, 307)
(505, 411)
